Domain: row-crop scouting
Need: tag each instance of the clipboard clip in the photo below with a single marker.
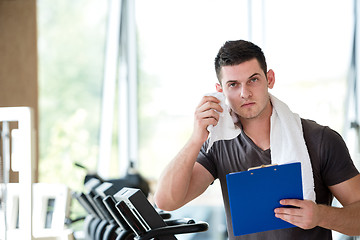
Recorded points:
(262, 166)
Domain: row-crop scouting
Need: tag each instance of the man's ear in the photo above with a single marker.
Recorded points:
(271, 78)
(218, 87)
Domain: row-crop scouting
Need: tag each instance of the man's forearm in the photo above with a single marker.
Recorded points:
(174, 188)
(174, 183)
(345, 220)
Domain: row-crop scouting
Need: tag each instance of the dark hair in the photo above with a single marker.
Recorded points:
(236, 52)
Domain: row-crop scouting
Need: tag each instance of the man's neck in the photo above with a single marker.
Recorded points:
(258, 129)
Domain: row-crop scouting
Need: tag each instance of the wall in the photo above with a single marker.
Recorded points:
(18, 58)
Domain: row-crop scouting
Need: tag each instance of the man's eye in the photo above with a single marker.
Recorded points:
(253, 80)
(232, 84)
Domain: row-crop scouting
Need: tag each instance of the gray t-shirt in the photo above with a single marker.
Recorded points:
(330, 160)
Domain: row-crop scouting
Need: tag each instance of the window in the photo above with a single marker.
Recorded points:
(71, 57)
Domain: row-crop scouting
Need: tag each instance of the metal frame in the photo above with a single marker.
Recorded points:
(120, 73)
(351, 130)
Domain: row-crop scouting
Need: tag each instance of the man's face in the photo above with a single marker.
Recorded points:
(246, 88)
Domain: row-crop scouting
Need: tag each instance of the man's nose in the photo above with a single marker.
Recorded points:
(245, 92)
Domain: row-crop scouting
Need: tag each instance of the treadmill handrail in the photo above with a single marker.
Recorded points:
(174, 230)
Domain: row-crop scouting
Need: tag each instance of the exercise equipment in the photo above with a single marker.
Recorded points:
(100, 222)
(109, 229)
(126, 214)
(123, 230)
(92, 219)
(145, 221)
(132, 179)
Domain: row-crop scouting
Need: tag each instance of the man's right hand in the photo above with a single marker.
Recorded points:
(206, 113)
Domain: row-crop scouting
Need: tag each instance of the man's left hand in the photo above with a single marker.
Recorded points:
(305, 215)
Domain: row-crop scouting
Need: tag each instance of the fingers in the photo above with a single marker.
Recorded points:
(209, 102)
(300, 220)
(304, 215)
(208, 110)
(292, 202)
(207, 113)
(288, 211)
(298, 204)
(291, 215)
(295, 220)
(209, 117)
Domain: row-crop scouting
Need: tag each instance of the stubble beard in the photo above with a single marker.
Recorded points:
(252, 114)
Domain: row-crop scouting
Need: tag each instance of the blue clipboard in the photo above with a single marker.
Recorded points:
(254, 194)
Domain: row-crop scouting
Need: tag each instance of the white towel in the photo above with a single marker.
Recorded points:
(225, 129)
(287, 144)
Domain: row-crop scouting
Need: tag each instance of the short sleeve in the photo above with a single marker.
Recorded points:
(207, 160)
(337, 165)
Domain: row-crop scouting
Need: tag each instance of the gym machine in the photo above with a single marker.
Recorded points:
(126, 214)
(146, 222)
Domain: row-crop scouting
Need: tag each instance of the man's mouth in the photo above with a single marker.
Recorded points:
(248, 104)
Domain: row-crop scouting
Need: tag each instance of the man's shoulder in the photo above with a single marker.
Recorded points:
(309, 124)
(314, 129)
(317, 133)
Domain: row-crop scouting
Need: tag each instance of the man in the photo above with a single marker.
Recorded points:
(244, 79)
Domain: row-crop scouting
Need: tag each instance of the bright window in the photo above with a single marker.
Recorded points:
(71, 52)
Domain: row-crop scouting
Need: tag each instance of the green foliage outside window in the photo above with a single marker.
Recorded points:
(71, 55)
